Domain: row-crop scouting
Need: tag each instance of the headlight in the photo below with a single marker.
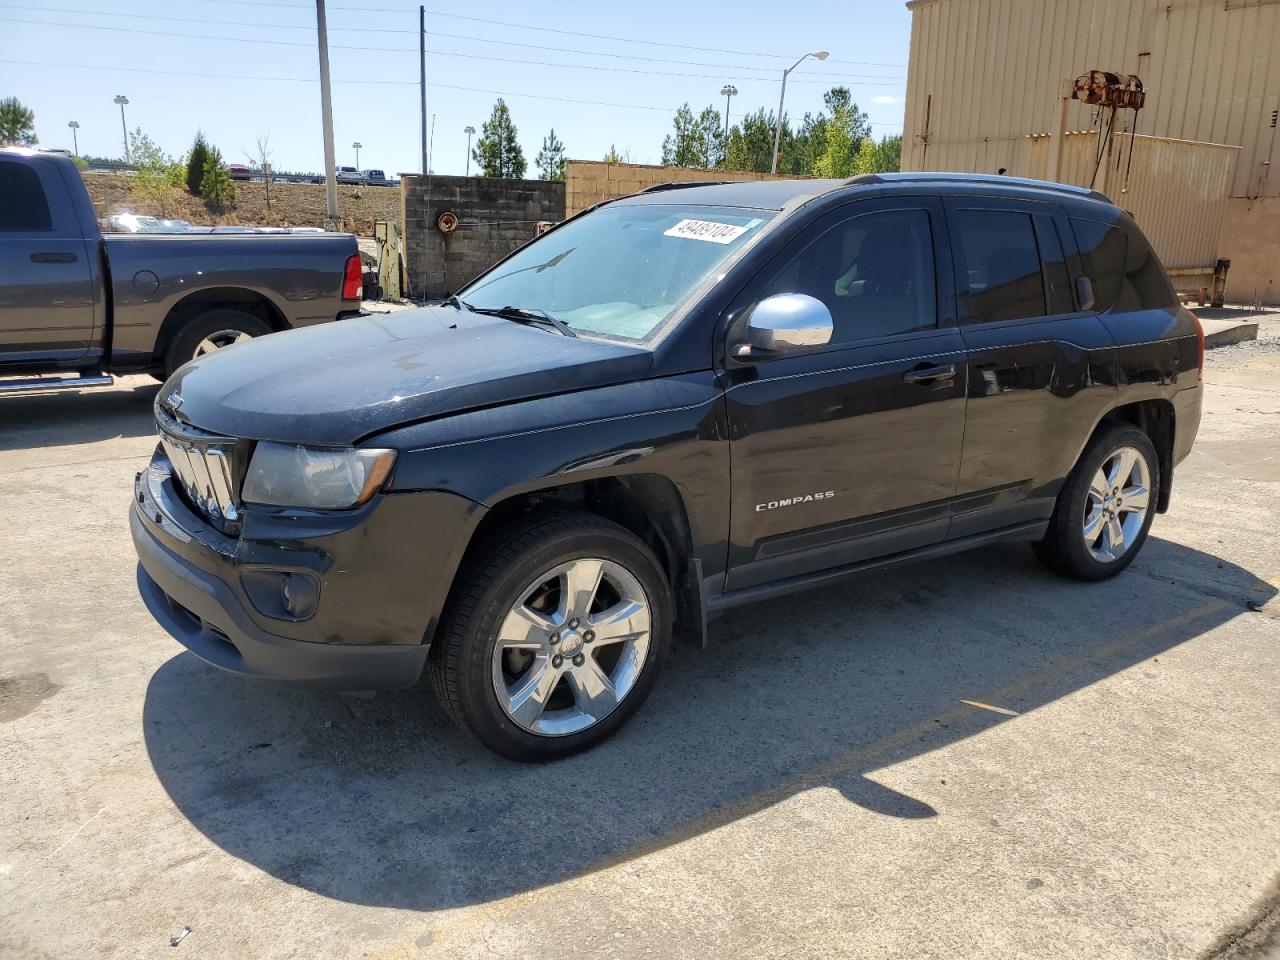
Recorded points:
(327, 478)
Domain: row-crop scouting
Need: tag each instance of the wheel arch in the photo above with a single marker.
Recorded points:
(217, 298)
(649, 505)
(1156, 418)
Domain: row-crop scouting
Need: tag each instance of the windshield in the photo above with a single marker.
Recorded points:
(620, 271)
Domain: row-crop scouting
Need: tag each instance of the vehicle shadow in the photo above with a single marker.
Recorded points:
(381, 801)
(73, 417)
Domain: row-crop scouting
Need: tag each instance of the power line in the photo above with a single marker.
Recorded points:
(394, 83)
(770, 71)
(531, 26)
(439, 53)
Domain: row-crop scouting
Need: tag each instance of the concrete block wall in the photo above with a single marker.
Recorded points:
(494, 218)
(588, 182)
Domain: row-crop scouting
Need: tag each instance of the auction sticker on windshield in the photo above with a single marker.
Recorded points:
(708, 230)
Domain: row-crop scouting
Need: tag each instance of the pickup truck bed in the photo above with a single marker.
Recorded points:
(74, 300)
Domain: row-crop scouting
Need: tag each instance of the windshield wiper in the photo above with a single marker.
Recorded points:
(528, 315)
(453, 300)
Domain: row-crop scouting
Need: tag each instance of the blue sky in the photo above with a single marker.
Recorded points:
(596, 72)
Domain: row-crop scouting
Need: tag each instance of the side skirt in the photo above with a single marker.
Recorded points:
(717, 604)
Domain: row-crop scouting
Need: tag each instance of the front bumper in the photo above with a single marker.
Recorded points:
(378, 603)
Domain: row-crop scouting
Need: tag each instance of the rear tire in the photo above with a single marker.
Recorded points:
(211, 331)
(1105, 508)
(533, 663)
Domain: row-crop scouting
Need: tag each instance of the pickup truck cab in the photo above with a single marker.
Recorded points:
(82, 305)
(672, 404)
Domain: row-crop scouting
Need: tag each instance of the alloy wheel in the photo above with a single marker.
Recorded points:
(220, 339)
(572, 647)
(1117, 504)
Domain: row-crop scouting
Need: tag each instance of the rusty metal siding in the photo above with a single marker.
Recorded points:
(992, 67)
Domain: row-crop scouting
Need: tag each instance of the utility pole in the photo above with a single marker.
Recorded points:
(777, 132)
(468, 130)
(75, 141)
(326, 119)
(727, 91)
(422, 81)
(124, 129)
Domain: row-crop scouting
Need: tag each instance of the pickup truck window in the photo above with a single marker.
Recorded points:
(23, 207)
(621, 270)
(874, 272)
(1002, 262)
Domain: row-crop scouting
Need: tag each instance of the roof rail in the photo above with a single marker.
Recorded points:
(683, 184)
(991, 178)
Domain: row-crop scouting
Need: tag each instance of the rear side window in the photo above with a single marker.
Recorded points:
(23, 207)
(1057, 281)
(1002, 261)
(1125, 272)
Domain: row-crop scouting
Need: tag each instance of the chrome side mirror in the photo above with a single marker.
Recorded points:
(786, 323)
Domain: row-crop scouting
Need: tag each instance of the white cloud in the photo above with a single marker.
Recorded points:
(886, 99)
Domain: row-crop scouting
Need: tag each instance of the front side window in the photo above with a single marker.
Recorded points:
(23, 207)
(875, 273)
(620, 271)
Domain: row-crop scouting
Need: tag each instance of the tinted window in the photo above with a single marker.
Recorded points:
(1003, 265)
(1102, 254)
(1057, 282)
(23, 207)
(874, 272)
(1146, 285)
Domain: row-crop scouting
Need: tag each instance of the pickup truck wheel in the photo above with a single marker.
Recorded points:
(1105, 508)
(555, 638)
(209, 332)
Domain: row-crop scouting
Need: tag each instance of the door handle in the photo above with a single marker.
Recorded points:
(55, 256)
(946, 371)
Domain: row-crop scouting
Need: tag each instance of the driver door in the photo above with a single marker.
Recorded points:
(850, 451)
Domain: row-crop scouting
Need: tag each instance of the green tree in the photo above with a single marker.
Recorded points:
(551, 159)
(497, 153)
(17, 124)
(750, 145)
(695, 141)
(196, 159)
(882, 157)
(216, 187)
(159, 179)
(612, 156)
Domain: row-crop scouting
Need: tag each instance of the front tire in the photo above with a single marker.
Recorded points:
(1105, 508)
(555, 635)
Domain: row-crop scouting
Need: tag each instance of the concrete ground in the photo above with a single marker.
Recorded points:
(966, 758)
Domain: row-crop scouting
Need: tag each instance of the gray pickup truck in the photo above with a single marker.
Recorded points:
(77, 306)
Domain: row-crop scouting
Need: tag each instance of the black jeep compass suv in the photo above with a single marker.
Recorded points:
(671, 404)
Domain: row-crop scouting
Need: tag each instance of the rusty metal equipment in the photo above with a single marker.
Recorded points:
(1110, 92)
(447, 222)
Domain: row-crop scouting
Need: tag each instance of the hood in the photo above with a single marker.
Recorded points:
(339, 382)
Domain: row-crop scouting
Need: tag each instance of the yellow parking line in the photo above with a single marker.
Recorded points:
(986, 706)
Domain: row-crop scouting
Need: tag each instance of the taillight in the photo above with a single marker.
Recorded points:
(352, 279)
(1199, 344)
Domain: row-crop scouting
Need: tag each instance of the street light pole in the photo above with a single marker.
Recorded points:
(357, 145)
(777, 132)
(422, 83)
(121, 99)
(727, 91)
(326, 119)
(75, 141)
(468, 130)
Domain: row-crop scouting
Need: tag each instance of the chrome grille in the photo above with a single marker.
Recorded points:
(206, 469)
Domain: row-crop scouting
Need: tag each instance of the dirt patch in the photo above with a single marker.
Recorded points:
(292, 204)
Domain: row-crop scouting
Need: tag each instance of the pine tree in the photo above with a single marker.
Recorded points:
(497, 153)
(551, 159)
(17, 124)
(612, 156)
(215, 186)
(196, 160)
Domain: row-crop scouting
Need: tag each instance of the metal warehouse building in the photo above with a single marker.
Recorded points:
(988, 90)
